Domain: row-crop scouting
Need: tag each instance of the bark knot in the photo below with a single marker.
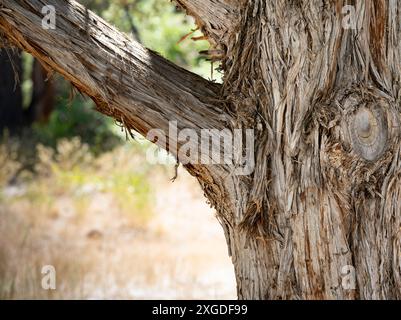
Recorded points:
(367, 126)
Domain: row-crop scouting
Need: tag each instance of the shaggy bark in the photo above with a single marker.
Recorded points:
(325, 195)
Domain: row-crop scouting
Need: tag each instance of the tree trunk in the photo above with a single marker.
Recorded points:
(11, 113)
(324, 202)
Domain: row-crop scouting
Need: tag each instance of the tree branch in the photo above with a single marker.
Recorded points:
(126, 81)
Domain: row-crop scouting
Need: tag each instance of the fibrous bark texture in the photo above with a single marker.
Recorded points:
(323, 99)
(324, 197)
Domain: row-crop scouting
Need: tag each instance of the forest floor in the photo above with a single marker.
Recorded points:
(100, 252)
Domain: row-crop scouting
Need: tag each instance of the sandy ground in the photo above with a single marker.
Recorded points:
(180, 254)
(196, 240)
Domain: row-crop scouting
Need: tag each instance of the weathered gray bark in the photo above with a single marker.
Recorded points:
(324, 102)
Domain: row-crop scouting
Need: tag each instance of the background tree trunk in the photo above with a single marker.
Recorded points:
(11, 113)
(43, 95)
(324, 101)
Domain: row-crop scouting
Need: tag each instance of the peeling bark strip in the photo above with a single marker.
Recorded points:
(325, 197)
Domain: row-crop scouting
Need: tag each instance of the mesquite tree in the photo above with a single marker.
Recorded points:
(322, 95)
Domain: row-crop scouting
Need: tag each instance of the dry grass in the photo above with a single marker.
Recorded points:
(113, 227)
